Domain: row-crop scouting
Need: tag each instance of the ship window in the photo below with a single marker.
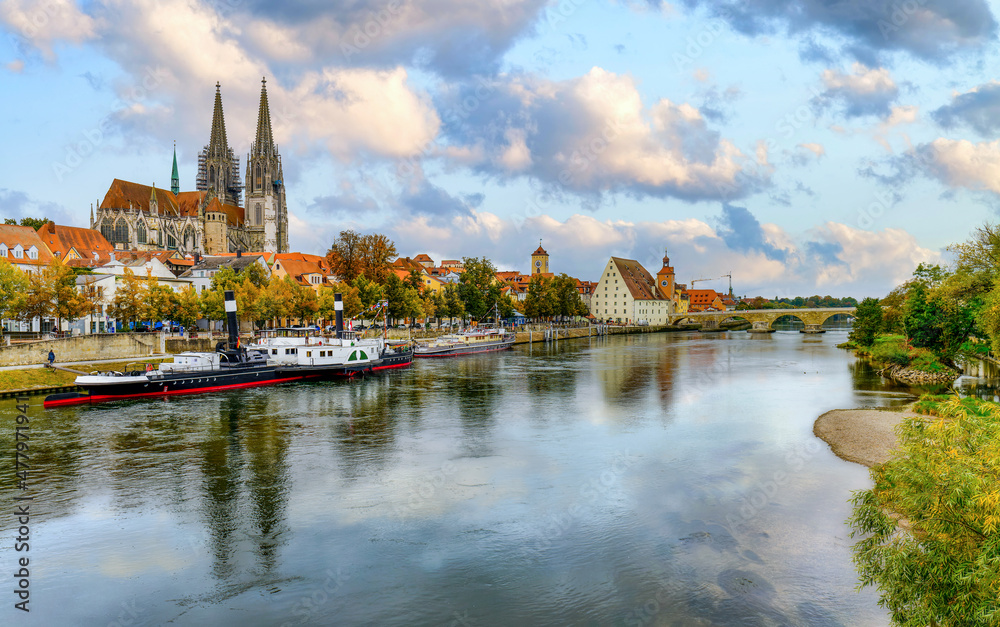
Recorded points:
(353, 356)
(309, 353)
(363, 355)
(274, 351)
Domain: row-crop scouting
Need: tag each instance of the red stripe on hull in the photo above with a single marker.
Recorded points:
(102, 398)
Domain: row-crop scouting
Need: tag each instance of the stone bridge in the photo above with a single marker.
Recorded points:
(762, 318)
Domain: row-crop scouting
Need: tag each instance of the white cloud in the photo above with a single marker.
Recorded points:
(594, 134)
(865, 91)
(46, 23)
(816, 149)
(961, 163)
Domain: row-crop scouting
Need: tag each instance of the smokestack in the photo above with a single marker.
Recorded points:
(338, 306)
(239, 253)
(231, 319)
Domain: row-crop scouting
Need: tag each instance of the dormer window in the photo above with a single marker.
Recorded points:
(3, 250)
(33, 252)
(18, 252)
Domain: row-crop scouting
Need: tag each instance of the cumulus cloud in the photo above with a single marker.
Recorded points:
(932, 31)
(978, 109)
(960, 163)
(43, 24)
(593, 134)
(741, 231)
(864, 91)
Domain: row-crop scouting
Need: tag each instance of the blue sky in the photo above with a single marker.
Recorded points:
(806, 147)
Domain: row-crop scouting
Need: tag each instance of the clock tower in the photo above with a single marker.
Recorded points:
(539, 260)
(665, 278)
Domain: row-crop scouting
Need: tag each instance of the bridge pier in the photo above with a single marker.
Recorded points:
(710, 325)
(761, 326)
(813, 328)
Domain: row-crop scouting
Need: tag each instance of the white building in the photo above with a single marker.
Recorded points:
(628, 293)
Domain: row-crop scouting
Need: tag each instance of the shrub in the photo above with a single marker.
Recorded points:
(891, 350)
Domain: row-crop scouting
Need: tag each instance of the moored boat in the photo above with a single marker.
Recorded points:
(231, 366)
(476, 340)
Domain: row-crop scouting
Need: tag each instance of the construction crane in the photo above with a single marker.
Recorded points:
(693, 281)
(730, 275)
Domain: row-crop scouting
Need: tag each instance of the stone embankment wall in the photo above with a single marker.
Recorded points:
(83, 348)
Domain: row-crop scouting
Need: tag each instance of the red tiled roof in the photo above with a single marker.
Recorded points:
(61, 239)
(637, 279)
(539, 251)
(298, 268)
(129, 195)
(12, 235)
(422, 258)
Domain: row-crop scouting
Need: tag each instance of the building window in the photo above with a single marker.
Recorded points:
(18, 252)
(140, 232)
(257, 183)
(171, 242)
(32, 253)
(121, 232)
(258, 213)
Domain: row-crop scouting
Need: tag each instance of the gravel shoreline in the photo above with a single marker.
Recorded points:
(862, 436)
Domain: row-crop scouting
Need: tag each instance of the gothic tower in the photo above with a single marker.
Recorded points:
(218, 168)
(266, 212)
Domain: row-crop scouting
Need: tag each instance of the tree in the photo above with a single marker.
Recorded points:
(225, 279)
(479, 288)
(34, 223)
(345, 256)
(186, 307)
(304, 303)
(377, 252)
(404, 300)
(213, 306)
(67, 301)
(369, 292)
(867, 322)
(247, 294)
(256, 273)
(415, 279)
(929, 525)
(350, 299)
(161, 302)
(274, 300)
(451, 303)
(13, 290)
(129, 304)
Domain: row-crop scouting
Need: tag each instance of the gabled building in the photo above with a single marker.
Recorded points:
(303, 272)
(23, 247)
(628, 293)
(76, 246)
(424, 260)
(705, 300)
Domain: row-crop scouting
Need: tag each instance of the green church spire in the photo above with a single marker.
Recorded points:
(175, 181)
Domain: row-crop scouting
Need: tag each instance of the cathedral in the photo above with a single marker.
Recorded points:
(214, 218)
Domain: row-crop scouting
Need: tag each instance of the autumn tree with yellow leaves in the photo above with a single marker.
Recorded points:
(929, 526)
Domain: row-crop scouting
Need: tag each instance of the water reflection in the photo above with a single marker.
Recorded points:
(644, 479)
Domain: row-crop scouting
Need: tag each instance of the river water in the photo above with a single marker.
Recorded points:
(661, 479)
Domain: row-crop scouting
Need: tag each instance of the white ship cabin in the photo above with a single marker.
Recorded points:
(191, 362)
(347, 353)
(300, 346)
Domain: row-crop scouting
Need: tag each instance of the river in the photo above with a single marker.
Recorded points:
(659, 479)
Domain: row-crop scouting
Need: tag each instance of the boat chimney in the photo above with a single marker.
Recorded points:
(338, 306)
(234, 331)
(239, 253)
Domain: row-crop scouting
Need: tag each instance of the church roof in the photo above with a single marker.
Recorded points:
(61, 239)
(129, 195)
(539, 251)
(218, 145)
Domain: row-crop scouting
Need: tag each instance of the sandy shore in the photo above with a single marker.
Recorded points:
(863, 436)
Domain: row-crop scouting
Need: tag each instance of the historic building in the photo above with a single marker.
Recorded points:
(628, 293)
(212, 219)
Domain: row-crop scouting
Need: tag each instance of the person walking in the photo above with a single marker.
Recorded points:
(52, 358)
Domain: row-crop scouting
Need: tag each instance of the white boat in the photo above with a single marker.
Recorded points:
(475, 340)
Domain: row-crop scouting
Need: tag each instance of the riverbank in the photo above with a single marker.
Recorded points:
(862, 436)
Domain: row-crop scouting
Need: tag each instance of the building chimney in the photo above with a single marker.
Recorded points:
(239, 253)
(197, 259)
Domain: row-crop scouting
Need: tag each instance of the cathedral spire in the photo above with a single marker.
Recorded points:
(264, 144)
(175, 181)
(218, 146)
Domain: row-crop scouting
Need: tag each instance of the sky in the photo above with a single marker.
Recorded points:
(803, 147)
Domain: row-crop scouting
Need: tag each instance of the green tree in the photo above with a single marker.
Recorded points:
(404, 300)
(345, 256)
(67, 301)
(480, 289)
(451, 305)
(225, 279)
(369, 292)
(186, 311)
(867, 322)
(273, 302)
(304, 303)
(34, 223)
(415, 279)
(928, 527)
(213, 306)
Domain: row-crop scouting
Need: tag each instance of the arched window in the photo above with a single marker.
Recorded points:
(211, 175)
(121, 231)
(140, 232)
(189, 238)
(171, 242)
(258, 214)
(257, 184)
(107, 232)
